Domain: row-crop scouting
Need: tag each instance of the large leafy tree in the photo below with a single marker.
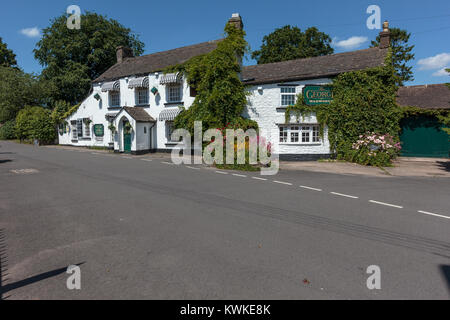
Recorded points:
(289, 43)
(73, 58)
(401, 54)
(7, 56)
(19, 89)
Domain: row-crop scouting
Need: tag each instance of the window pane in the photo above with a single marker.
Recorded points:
(114, 99)
(316, 134)
(142, 96)
(283, 134)
(174, 93)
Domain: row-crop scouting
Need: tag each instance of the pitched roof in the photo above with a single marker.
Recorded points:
(430, 96)
(138, 114)
(315, 67)
(156, 62)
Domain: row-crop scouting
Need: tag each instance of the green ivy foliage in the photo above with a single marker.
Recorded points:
(221, 96)
(443, 115)
(364, 101)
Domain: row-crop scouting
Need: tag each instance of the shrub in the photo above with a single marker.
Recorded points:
(7, 130)
(35, 123)
(374, 149)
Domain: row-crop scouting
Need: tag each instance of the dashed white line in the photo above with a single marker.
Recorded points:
(221, 172)
(148, 160)
(239, 175)
(257, 178)
(344, 195)
(285, 183)
(386, 204)
(310, 188)
(168, 163)
(434, 214)
(193, 168)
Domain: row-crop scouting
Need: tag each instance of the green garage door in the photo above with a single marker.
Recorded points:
(423, 137)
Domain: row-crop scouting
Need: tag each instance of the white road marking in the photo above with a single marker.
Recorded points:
(221, 172)
(24, 171)
(309, 188)
(239, 175)
(148, 160)
(169, 163)
(193, 168)
(281, 182)
(386, 204)
(434, 214)
(257, 178)
(344, 195)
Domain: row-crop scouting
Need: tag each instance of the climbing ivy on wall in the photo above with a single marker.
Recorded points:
(221, 96)
(364, 102)
(443, 115)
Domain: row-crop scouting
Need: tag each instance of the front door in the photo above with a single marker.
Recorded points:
(126, 141)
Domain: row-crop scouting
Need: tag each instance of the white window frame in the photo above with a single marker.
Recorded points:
(169, 131)
(73, 126)
(111, 99)
(142, 93)
(86, 129)
(300, 134)
(171, 94)
(288, 91)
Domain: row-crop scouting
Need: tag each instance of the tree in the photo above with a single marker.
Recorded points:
(73, 58)
(288, 43)
(401, 54)
(7, 56)
(19, 89)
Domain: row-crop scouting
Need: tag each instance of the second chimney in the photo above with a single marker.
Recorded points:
(122, 53)
(385, 36)
(236, 19)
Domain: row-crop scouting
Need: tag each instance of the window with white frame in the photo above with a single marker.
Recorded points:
(170, 128)
(114, 99)
(73, 125)
(174, 93)
(142, 96)
(87, 128)
(297, 134)
(287, 96)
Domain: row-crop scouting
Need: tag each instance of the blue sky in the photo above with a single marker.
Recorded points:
(164, 25)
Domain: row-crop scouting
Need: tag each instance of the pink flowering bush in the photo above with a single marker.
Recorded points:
(374, 149)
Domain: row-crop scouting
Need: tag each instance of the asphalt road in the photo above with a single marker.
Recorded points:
(144, 229)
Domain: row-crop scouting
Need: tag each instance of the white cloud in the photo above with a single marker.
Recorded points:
(31, 32)
(350, 43)
(441, 73)
(439, 61)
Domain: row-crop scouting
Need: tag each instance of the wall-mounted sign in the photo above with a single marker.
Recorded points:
(314, 95)
(99, 130)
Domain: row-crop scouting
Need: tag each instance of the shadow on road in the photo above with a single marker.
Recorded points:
(22, 283)
(444, 165)
(445, 269)
(5, 161)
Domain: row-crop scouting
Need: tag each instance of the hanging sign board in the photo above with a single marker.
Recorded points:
(99, 130)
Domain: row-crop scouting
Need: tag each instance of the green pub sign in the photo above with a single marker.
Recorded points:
(99, 130)
(315, 94)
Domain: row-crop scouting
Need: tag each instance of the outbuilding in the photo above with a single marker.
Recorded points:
(421, 131)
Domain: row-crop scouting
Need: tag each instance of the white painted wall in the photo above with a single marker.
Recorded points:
(264, 106)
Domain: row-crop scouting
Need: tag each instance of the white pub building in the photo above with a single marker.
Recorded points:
(132, 105)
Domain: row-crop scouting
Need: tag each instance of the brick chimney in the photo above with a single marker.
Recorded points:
(236, 19)
(385, 36)
(122, 53)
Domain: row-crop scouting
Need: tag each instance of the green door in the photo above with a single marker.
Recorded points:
(423, 137)
(126, 142)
